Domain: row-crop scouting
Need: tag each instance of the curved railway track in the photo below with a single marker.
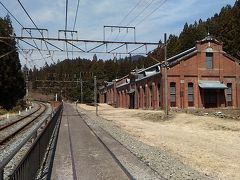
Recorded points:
(10, 130)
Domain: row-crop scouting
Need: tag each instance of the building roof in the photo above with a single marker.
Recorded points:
(124, 84)
(149, 75)
(177, 58)
(209, 38)
(149, 72)
(155, 69)
(231, 57)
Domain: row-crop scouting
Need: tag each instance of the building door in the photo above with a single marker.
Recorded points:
(210, 98)
(105, 97)
(132, 100)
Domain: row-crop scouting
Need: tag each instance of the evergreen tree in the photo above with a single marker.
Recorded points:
(12, 85)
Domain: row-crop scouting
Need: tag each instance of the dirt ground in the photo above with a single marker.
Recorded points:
(208, 144)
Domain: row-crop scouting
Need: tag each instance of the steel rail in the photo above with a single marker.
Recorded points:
(20, 119)
(28, 168)
(11, 135)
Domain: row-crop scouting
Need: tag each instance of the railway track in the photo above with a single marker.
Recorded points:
(11, 129)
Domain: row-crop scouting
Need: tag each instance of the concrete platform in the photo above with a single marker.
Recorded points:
(79, 153)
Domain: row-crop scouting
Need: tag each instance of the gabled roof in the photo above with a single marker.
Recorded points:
(148, 72)
(149, 68)
(125, 83)
(122, 78)
(155, 69)
(231, 57)
(149, 75)
(188, 53)
(209, 38)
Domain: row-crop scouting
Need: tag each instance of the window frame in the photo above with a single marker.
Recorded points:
(229, 94)
(191, 94)
(173, 94)
(209, 60)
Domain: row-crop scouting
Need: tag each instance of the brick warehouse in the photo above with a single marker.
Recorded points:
(202, 77)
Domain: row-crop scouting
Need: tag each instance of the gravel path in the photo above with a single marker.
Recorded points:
(158, 159)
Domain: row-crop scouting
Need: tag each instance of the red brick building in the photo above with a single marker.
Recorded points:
(201, 77)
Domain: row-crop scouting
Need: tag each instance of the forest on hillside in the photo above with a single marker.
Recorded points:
(224, 26)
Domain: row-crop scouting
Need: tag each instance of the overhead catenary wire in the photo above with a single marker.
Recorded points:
(21, 52)
(24, 9)
(66, 15)
(149, 14)
(23, 27)
(142, 11)
(66, 24)
(125, 17)
(154, 10)
(135, 17)
(75, 19)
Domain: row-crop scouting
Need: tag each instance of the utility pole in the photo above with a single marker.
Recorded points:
(165, 77)
(26, 79)
(81, 87)
(95, 95)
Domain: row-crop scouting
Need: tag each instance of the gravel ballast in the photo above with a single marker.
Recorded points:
(159, 160)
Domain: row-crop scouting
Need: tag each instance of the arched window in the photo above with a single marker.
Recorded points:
(173, 94)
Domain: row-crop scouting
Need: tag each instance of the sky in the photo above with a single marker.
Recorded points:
(151, 18)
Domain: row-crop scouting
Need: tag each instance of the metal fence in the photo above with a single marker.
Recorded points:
(30, 164)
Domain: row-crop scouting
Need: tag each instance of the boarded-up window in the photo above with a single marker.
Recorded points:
(173, 94)
(190, 94)
(209, 60)
(229, 94)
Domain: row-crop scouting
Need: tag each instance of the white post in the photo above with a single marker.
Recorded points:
(56, 97)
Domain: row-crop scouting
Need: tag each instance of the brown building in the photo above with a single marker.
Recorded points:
(202, 77)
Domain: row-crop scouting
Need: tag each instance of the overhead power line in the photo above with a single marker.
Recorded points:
(148, 15)
(66, 24)
(139, 2)
(125, 17)
(34, 25)
(66, 15)
(142, 11)
(151, 12)
(23, 27)
(75, 19)
(25, 57)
